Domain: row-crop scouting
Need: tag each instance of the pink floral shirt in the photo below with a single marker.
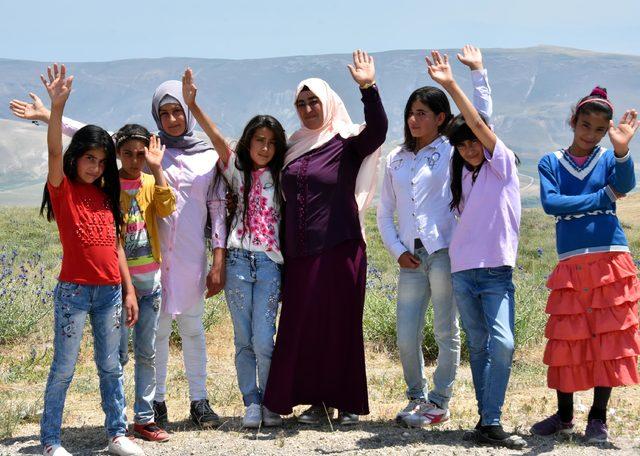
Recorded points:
(260, 231)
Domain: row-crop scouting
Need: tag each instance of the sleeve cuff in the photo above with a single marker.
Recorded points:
(609, 191)
(623, 159)
(370, 94)
(480, 78)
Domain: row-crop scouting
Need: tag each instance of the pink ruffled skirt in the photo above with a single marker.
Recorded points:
(592, 331)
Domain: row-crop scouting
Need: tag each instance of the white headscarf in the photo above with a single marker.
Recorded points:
(336, 121)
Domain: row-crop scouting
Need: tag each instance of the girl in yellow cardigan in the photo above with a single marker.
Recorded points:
(143, 198)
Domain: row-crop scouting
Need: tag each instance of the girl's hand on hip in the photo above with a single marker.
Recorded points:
(58, 84)
(363, 70)
(621, 135)
(439, 69)
(30, 111)
(408, 261)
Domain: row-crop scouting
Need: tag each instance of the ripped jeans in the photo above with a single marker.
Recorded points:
(72, 304)
(252, 291)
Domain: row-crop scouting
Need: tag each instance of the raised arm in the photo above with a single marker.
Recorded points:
(472, 58)
(189, 91)
(37, 111)
(58, 87)
(363, 72)
(440, 71)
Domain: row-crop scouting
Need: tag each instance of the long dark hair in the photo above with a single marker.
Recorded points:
(244, 163)
(87, 138)
(436, 100)
(458, 132)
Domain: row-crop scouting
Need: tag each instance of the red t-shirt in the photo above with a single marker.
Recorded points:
(87, 233)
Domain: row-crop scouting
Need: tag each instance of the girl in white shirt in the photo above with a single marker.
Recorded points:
(416, 186)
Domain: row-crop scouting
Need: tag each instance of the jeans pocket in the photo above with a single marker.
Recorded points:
(68, 290)
(500, 271)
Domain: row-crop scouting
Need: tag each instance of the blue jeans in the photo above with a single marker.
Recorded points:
(486, 301)
(252, 291)
(431, 280)
(144, 349)
(72, 304)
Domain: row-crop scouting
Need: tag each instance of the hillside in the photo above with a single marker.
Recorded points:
(533, 90)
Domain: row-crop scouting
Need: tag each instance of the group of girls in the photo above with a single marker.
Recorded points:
(296, 235)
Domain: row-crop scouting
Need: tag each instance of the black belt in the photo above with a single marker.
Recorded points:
(417, 244)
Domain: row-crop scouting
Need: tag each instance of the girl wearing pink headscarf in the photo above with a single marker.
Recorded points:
(328, 180)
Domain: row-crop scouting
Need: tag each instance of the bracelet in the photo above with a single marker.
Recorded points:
(367, 85)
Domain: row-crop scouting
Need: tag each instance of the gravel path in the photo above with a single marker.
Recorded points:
(368, 437)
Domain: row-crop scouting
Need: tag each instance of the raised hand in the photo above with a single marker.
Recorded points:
(189, 88)
(30, 111)
(621, 135)
(59, 85)
(439, 68)
(471, 57)
(363, 71)
(154, 153)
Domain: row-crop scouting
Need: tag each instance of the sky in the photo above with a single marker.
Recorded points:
(90, 30)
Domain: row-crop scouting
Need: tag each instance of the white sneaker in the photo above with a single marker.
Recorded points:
(427, 414)
(270, 418)
(411, 407)
(55, 450)
(252, 416)
(122, 446)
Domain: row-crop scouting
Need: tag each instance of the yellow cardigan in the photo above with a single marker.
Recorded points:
(153, 202)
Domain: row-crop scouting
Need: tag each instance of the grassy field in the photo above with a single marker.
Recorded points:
(29, 261)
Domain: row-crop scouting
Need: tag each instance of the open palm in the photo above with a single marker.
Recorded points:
(58, 84)
(189, 88)
(363, 70)
(30, 111)
(154, 153)
(438, 68)
(621, 135)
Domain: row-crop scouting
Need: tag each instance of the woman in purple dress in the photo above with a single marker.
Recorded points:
(328, 180)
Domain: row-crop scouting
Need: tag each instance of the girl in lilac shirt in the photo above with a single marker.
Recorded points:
(486, 197)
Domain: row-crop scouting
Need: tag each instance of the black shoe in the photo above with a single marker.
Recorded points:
(160, 414)
(472, 435)
(495, 435)
(202, 414)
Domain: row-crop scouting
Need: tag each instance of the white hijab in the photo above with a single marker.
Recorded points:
(336, 121)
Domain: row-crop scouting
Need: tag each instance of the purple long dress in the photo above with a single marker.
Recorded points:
(319, 351)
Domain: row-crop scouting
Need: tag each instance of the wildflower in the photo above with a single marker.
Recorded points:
(540, 252)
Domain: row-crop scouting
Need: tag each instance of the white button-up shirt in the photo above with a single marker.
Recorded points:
(416, 185)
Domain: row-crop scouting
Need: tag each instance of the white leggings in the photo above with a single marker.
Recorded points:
(194, 351)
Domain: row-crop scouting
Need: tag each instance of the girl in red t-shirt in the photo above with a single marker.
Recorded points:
(82, 195)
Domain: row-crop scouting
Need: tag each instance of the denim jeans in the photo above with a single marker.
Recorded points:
(431, 280)
(144, 349)
(486, 301)
(252, 292)
(72, 304)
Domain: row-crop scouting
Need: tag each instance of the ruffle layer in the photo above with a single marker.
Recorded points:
(595, 321)
(608, 346)
(592, 270)
(608, 373)
(568, 301)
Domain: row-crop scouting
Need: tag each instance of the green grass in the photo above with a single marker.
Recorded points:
(30, 259)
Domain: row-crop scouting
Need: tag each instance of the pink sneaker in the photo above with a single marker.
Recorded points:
(427, 414)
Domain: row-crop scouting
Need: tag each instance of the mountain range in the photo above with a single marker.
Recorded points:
(533, 92)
